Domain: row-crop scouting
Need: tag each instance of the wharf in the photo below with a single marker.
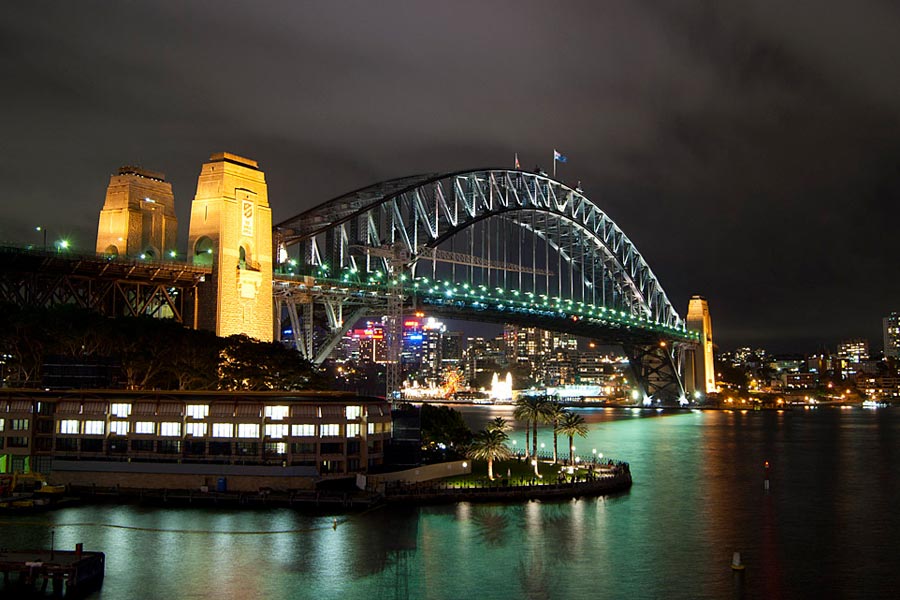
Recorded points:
(261, 499)
(62, 573)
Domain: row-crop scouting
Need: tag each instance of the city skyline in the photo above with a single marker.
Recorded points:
(693, 106)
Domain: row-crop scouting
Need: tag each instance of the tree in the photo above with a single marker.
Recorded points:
(572, 424)
(531, 409)
(490, 445)
(555, 413)
(498, 424)
(443, 425)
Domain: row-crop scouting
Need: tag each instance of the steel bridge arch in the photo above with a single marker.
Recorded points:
(420, 212)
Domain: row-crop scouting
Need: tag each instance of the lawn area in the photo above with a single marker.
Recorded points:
(518, 472)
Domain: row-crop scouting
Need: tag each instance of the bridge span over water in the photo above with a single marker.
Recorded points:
(487, 245)
(495, 245)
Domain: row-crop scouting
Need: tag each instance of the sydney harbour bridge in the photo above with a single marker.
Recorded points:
(489, 245)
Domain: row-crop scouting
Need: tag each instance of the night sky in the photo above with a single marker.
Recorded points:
(751, 151)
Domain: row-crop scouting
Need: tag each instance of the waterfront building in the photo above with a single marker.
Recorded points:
(850, 354)
(183, 440)
(891, 331)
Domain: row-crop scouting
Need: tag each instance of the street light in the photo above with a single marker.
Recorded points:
(42, 229)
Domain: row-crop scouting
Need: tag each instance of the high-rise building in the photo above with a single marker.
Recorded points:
(891, 328)
(850, 354)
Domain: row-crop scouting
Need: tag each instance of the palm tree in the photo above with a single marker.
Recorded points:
(490, 445)
(499, 424)
(572, 424)
(531, 409)
(555, 414)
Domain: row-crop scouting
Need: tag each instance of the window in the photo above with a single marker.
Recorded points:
(142, 445)
(1, 424)
(168, 446)
(354, 412)
(303, 448)
(66, 444)
(170, 429)
(195, 429)
(223, 430)
(94, 427)
(145, 427)
(248, 430)
(118, 427)
(276, 431)
(329, 430)
(17, 442)
(91, 445)
(197, 411)
(277, 413)
(370, 428)
(18, 424)
(69, 426)
(303, 430)
(276, 448)
(352, 430)
(121, 410)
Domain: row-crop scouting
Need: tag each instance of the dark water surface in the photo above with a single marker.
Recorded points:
(829, 527)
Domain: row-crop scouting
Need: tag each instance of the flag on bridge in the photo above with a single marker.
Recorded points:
(518, 166)
(557, 157)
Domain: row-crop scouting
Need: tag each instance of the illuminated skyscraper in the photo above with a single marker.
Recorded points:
(891, 326)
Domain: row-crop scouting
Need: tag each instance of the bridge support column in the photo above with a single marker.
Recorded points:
(654, 369)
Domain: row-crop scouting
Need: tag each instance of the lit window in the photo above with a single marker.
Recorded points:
(277, 413)
(1, 424)
(145, 427)
(18, 424)
(94, 427)
(121, 410)
(276, 431)
(370, 428)
(223, 430)
(303, 430)
(329, 430)
(197, 411)
(248, 430)
(69, 426)
(352, 430)
(195, 429)
(118, 427)
(354, 412)
(170, 429)
(387, 427)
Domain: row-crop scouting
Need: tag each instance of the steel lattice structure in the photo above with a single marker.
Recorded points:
(494, 244)
(112, 287)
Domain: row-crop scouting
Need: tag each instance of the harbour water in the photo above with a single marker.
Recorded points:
(828, 527)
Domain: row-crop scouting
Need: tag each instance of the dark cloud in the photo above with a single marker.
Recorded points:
(750, 149)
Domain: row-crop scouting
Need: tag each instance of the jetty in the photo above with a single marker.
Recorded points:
(60, 573)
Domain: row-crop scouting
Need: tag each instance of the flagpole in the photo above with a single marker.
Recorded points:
(554, 164)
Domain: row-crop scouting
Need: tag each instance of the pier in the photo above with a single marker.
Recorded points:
(62, 573)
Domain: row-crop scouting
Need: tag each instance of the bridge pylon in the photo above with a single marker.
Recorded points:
(231, 231)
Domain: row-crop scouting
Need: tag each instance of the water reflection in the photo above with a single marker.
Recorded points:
(828, 523)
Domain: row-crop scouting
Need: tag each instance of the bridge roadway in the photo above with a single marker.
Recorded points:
(111, 286)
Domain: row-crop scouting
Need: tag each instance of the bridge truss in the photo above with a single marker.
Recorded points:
(112, 287)
(488, 245)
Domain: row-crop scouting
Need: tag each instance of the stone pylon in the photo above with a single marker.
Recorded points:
(231, 230)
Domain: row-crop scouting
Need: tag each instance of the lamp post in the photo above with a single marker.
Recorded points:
(43, 230)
